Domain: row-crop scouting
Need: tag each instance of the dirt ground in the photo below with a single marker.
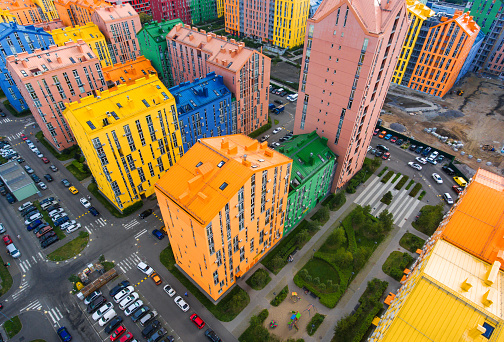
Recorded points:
(285, 71)
(282, 313)
(476, 118)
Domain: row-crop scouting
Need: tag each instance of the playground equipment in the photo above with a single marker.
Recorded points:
(294, 297)
(309, 308)
(294, 319)
(273, 324)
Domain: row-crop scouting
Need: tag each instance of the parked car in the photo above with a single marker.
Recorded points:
(426, 151)
(292, 97)
(48, 242)
(93, 211)
(382, 134)
(66, 183)
(128, 337)
(437, 178)
(447, 197)
(67, 224)
(181, 304)
(460, 181)
(399, 142)
(72, 228)
(35, 178)
(42, 186)
(158, 234)
(85, 202)
(64, 335)
(212, 336)
(32, 218)
(440, 158)
(10, 198)
(415, 166)
(96, 304)
(128, 300)
(378, 154)
(53, 212)
(393, 139)
(149, 329)
(45, 160)
(13, 251)
(7, 239)
(92, 296)
(60, 221)
(117, 333)
(421, 160)
(156, 278)
(133, 307)
(169, 290)
(53, 168)
(107, 317)
(73, 190)
(139, 313)
(412, 147)
(145, 213)
(123, 293)
(447, 170)
(116, 289)
(47, 235)
(34, 225)
(276, 130)
(386, 155)
(146, 269)
(101, 311)
(197, 321)
(43, 231)
(419, 150)
(158, 335)
(114, 322)
(48, 177)
(376, 131)
(382, 147)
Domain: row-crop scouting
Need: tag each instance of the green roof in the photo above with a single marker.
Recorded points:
(309, 153)
(159, 30)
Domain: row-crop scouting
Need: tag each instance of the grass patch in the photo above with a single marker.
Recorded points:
(6, 278)
(387, 177)
(411, 242)
(71, 248)
(279, 298)
(415, 190)
(352, 328)
(93, 188)
(422, 194)
(108, 265)
(276, 122)
(59, 233)
(226, 310)
(396, 177)
(12, 327)
(429, 219)
(383, 171)
(79, 171)
(368, 168)
(14, 112)
(259, 279)
(66, 154)
(321, 216)
(401, 183)
(396, 263)
(314, 323)
(411, 182)
(261, 129)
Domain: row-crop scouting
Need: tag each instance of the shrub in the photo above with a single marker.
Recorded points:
(396, 263)
(396, 177)
(411, 242)
(401, 183)
(383, 171)
(322, 215)
(387, 198)
(410, 184)
(422, 194)
(280, 297)
(415, 190)
(314, 323)
(256, 332)
(429, 219)
(259, 279)
(261, 129)
(337, 201)
(387, 177)
(132, 208)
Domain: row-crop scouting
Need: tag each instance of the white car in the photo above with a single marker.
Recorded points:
(434, 155)
(85, 202)
(421, 160)
(292, 97)
(25, 205)
(181, 304)
(169, 290)
(92, 296)
(55, 211)
(73, 228)
(42, 185)
(68, 224)
(58, 216)
(2, 228)
(123, 293)
(125, 302)
(133, 307)
(32, 218)
(415, 166)
(146, 269)
(101, 311)
(107, 317)
(39, 154)
(447, 197)
(437, 178)
(276, 130)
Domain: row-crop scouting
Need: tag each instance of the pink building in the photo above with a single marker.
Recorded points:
(350, 51)
(119, 24)
(48, 79)
(246, 72)
(171, 9)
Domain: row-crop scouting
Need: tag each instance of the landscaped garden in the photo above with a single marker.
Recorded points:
(429, 219)
(411, 242)
(259, 279)
(71, 248)
(396, 263)
(343, 254)
(335, 201)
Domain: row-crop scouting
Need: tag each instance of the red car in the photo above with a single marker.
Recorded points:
(455, 188)
(7, 240)
(45, 160)
(24, 137)
(386, 155)
(198, 321)
(117, 333)
(127, 337)
(393, 139)
(376, 131)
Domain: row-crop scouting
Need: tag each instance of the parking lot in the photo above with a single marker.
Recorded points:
(285, 119)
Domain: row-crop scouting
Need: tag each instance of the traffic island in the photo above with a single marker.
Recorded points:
(6, 277)
(71, 249)
(12, 327)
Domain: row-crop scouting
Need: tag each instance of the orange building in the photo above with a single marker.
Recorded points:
(24, 12)
(78, 12)
(443, 52)
(215, 230)
(127, 73)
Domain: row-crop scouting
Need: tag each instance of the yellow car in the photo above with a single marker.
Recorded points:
(156, 278)
(73, 190)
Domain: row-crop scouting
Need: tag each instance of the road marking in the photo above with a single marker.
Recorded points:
(52, 317)
(34, 259)
(41, 256)
(140, 233)
(88, 230)
(34, 305)
(131, 224)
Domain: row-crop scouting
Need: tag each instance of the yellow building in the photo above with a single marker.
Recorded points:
(6, 16)
(417, 13)
(90, 33)
(290, 22)
(208, 202)
(48, 9)
(220, 8)
(129, 138)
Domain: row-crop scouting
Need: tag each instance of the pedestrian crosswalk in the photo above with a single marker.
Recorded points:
(128, 263)
(34, 305)
(131, 224)
(140, 233)
(29, 262)
(401, 207)
(5, 120)
(54, 314)
(22, 287)
(96, 225)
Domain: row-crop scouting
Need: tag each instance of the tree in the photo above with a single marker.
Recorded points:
(337, 238)
(387, 198)
(302, 237)
(144, 18)
(324, 214)
(316, 281)
(386, 220)
(277, 262)
(337, 201)
(312, 226)
(259, 278)
(343, 258)
(358, 216)
(303, 273)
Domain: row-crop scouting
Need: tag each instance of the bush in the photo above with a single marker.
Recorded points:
(387, 177)
(368, 168)
(411, 242)
(429, 219)
(322, 215)
(261, 129)
(396, 177)
(132, 208)
(279, 298)
(383, 171)
(415, 190)
(314, 323)
(422, 194)
(337, 201)
(401, 183)
(387, 198)
(259, 279)
(396, 263)
(256, 332)
(410, 184)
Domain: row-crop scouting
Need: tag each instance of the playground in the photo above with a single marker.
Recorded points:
(290, 318)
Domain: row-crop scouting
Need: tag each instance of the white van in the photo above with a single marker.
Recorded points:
(147, 318)
(13, 251)
(292, 97)
(107, 317)
(25, 205)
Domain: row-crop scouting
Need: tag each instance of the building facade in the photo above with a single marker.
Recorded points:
(20, 12)
(204, 109)
(128, 72)
(171, 10)
(49, 79)
(48, 9)
(119, 24)
(216, 232)
(220, 8)
(312, 173)
(349, 57)
(78, 12)
(15, 39)
(246, 72)
(281, 22)
(140, 6)
(203, 11)
(129, 136)
(90, 33)
(152, 41)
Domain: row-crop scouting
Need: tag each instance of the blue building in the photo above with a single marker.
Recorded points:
(15, 39)
(471, 56)
(204, 109)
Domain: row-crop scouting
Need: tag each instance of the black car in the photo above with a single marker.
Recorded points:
(66, 182)
(20, 160)
(48, 177)
(278, 101)
(145, 213)
(113, 324)
(149, 330)
(45, 200)
(448, 171)
(282, 93)
(440, 158)
(96, 304)
(419, 149)
(49, 241)
(158, 335)
(118, 288)
(382, 148)
(93, 211)
(47, 235)
(399, 142)
(139, 313)
(29, 211)
(378, 153)
(52, 207)
(3, 191)
(35, 178)
(412, 147)
(212, 336)
(10, 198)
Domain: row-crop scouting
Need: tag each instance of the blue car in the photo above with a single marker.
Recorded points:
(157, 233)
(425, 152)
(419, 150)
(33, 225)
(64, 335)
(388, 136)
(93, 211)
(61, 220)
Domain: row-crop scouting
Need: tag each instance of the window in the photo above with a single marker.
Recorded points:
(209, 232)
(223, 186)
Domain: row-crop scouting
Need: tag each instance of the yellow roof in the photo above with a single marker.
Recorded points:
(213, 171)
(88, 32)
(129, 71)
(418, 9)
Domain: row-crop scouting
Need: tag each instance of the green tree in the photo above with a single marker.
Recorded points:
(316, 281)
(277, 262)
(337, 238)
(144, 18)
(329, 283)
(386, 220)
(303, 273)
(322, 286)
(387, 198)
(312, 226)
(359, 259)
(323, 214)
(343, 258)
(358, 216)
(302, 237)
(337, 201)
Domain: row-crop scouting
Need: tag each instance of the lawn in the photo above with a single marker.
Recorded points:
(57, 230)
(64, 155)
(396, 263)
(411, 242)
(6, 278)
(12, 327)
(259, 279)
(71, 248)
(429, 219)
(314, 323)
(77, 170)
(226, 310)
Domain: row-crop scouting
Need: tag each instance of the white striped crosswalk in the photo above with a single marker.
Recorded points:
(5, 120)
(140, 233)
(29, 262)
(55, 314)
(128, 263)
(34, 305)
(131, 224)
(98, 223)
(22, 287)
(402, 205)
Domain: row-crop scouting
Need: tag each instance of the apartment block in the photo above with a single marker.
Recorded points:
(220, 8)
(119, 24)
(48, 9)
(171, 10)
(204, 109)
(6, 16)
(78, 12)
(313, 165)
(349, 57)
(128, 72)
(203, 11)
(246, 72)
(50, 79)
(140, 6)
(209, 213)
(129, 137)
(50, 25)
(281, 22)
(20, 12)
(16, 39)
(442, 53)
(152, 41)
(90, 33)
(417, 14)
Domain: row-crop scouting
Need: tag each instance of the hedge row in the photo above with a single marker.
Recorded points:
(280, 297)
(261, 129)
(411, 182)
(396, 177)
(415, 190)
(387, 177)
(401, 183)
(383, 171)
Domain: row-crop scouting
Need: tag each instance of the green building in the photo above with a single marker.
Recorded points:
(313, 165)
(485, 12)
(152, 40)
(203, 11)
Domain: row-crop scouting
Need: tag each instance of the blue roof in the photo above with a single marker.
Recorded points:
(7, 28)
(191, 95)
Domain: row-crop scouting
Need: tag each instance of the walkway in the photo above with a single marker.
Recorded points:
(261, 299)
